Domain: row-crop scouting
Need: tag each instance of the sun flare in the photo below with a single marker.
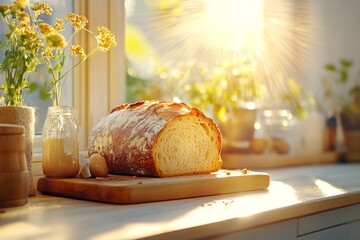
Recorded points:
(272, 34)
(233, 25)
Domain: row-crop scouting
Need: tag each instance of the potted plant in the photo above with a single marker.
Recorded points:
(344, 97)
(20, 49)
(229, 91)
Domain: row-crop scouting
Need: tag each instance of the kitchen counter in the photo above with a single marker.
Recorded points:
(297, 196)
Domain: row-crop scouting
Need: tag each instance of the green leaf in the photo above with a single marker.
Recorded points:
(31, 66)
(58, 68)
(345, 63)
(343, 76)
(32, 87)
(43, 94)
(330, 67)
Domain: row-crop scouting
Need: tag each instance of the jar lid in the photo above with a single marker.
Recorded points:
(11, 129)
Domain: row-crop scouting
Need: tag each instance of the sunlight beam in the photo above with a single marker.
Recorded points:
(327, 189)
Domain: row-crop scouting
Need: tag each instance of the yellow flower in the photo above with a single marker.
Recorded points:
(77, 50)
(59, 25)
(23, 25)
(30, 39)
(56, 40)
(105, 39)
(42, 8)
(7, 10)
(4, 8)
(24, 16)
(21, 4)
(45, 28)
(47, 53)
(78, 22)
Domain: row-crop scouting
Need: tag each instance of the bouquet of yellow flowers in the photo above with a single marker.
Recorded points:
(53, 53)
(21, 47)
(31, 41)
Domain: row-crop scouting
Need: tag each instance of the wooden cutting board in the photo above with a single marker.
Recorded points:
(129, 189)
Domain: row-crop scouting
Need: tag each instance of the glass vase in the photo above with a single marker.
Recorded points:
(60, 143)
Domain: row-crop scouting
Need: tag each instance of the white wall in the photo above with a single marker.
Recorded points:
(336, 35)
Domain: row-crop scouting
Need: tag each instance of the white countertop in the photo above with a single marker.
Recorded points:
(293, 192)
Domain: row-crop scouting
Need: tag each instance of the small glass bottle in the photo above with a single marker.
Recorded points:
(282, 128)
(60, 143)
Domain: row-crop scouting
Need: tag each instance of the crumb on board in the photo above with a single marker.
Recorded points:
(227, 202)
(224, 202)
(245, 171)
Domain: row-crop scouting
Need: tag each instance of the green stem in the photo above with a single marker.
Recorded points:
(32, 17)
(78, 63)
(71, 37)
(54, 96)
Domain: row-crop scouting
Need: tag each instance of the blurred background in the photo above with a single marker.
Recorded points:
(284, 67)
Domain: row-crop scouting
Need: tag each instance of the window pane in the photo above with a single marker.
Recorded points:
(60, 9)
(218, 55)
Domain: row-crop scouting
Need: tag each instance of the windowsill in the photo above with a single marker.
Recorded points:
(294, 193)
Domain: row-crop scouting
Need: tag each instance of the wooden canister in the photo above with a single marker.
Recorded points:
(14, 176)
(24, 116)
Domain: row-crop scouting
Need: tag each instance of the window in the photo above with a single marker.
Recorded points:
(245, 49)
(97, 85)
(300, 38)
(60, 9)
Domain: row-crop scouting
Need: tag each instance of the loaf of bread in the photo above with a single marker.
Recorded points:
(157, 138)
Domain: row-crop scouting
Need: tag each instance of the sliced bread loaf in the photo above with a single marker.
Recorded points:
(156, 138)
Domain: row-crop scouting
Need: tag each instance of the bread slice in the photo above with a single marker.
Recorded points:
(161, 139)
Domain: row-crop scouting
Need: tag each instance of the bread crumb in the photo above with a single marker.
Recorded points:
(245, 171)
(208, 204)
(224, 202)
(227, 202)
(141, 182)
